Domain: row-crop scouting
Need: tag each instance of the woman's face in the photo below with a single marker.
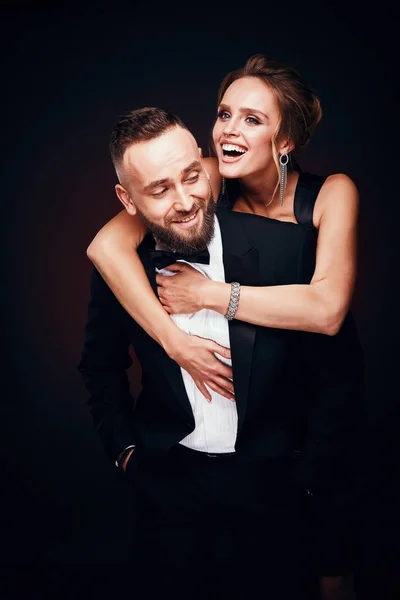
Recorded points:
(247, 118)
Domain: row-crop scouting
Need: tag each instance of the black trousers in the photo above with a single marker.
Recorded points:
(210, 526)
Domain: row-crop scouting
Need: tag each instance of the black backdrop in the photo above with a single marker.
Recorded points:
(67, 74)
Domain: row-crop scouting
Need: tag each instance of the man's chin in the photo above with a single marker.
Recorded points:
(185, 237)
(188, 240)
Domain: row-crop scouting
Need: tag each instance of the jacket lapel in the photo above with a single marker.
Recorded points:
(241, 264)
(170, 368)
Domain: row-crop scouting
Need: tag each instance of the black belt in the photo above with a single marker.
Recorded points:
(199, 455)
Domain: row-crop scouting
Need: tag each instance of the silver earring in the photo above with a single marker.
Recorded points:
(283, 161)
(223, 187)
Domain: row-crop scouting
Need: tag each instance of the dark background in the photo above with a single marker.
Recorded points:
(67, 74)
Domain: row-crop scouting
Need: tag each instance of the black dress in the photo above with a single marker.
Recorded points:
(342, 352)
(329, 375)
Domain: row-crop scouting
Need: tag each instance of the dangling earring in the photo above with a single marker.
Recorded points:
(283, 161)
(223, 187)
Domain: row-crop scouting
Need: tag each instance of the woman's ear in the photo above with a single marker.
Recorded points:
(125, 199)
(286, 147)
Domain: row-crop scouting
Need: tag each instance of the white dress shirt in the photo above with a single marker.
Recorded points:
(215, 421)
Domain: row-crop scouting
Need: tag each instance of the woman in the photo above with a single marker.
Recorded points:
(266, 113)
(253, 148)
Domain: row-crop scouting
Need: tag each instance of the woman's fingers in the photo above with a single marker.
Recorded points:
(218, 349)
(225, 383)
(222, 370)
(221, 389)
(202, 388)
(219, 385)
(175, 268)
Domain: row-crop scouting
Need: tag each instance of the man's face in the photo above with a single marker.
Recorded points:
(168, 187)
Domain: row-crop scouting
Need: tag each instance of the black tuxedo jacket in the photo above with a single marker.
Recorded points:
(290, 411)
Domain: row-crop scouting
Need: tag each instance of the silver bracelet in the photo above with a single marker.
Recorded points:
(234, 301)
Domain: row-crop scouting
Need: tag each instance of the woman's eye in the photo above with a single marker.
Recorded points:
(253, 120)
(223, 114)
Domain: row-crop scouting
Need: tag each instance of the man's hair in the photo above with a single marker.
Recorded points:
(140, 125)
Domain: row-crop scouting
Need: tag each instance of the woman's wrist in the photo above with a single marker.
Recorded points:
(216, 296)
(172, 341)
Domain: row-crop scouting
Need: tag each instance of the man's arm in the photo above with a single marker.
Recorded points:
(104, 361)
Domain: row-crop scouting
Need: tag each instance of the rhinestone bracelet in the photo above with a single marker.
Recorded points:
(234, 301)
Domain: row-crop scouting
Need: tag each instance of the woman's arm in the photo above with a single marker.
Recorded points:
(113, 252)
(320, 306)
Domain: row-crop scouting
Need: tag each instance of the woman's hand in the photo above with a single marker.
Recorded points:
(197, 356)
(184, 292)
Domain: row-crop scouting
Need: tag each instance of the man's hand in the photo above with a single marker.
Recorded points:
(337, 588)
(197, 356)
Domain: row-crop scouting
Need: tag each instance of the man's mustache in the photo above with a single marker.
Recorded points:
(184, 214)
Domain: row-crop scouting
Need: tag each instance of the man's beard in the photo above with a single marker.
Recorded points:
(171, 240)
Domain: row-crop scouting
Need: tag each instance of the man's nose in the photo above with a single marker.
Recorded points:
(183, 201)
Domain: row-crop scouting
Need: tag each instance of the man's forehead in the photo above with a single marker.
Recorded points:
(173, 143)
(166, 156)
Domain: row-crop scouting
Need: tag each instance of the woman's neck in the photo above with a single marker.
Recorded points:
(263, 198)
(260, 190)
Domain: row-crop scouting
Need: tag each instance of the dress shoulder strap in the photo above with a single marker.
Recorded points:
(307, 190)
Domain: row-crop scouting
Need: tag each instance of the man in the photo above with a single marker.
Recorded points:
(219, 494)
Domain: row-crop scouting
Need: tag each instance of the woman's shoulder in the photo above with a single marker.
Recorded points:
(338, 194)
(327, 182)
(211, 164)
(338, 181)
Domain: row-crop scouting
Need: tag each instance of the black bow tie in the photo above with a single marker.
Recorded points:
(164, 258)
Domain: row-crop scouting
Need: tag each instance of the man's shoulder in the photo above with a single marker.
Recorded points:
(225, 215)
(103, 298)
(99, 288)
(148, 243)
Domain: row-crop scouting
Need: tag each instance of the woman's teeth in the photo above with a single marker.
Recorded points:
(232, 150)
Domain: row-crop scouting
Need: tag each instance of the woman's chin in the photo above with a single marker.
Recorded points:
(230, 171)
(233, 168)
